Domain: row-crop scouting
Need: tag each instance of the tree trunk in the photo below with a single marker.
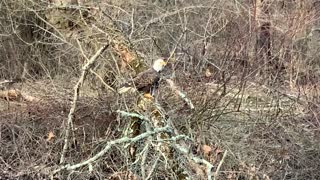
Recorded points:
(263, 43)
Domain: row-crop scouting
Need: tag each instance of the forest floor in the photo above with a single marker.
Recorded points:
(268, 132)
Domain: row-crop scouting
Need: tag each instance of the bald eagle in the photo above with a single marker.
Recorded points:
(146, 80)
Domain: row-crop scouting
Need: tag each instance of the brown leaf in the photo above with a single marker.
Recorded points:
(126, 57)
(199, 170)
(206, 149)
(50, 136)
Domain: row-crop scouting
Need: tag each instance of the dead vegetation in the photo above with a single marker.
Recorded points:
(239, 98)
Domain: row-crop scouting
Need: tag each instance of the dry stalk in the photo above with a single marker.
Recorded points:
(153, 167)
(144, 156)
(197, 160)
(165, 15)
(180, 93)
(216, 174)
(76, 88)
(135, 115)
(102, 81)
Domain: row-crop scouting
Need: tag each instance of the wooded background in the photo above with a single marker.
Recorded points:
(240, 92)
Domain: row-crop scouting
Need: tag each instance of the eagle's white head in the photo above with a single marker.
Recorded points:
(159, 64)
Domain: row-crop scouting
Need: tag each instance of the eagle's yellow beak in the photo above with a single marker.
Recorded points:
(163, 63)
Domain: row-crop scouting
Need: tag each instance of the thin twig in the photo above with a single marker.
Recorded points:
(144, 156)
(175, 47)
(127, 114)
(102, 81)
(216, 174)
(76, 88)
(168, 14)
(197, 160)
(180, 93)
(153, 167)
(111, 144)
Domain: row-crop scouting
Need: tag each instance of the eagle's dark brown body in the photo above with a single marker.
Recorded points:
(144, 81)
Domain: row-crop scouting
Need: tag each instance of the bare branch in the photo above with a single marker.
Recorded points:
(102, 81)
(216, 174)
(111, 144)
(76, 88)
(127, 114)
(180, 93)
(197, 160)
(155, 20)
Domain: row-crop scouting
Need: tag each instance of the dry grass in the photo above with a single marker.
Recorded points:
(264, 114)
(266, 132)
